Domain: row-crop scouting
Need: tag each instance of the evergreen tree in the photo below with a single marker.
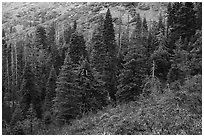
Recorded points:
(110, 48)
(51, 37)
(67, 34)
(125, 41)
(50, 89)
(98, 53)
(132, 75)
(161, 57)
(77, 48)
(40, 38)
(93, 95)
(179, 67)
(170, 15)
(74, 28)
(136, 35)
(144, 27)
(195, 62)
(4, 66)
(198, 14)
(184, 24)
(30, 92)
(67, 102)
(160, 24)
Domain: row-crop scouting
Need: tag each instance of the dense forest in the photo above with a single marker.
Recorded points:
(141, 77)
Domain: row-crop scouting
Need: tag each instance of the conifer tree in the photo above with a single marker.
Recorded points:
(144, 27)
(161, 57)
(30, 92)
(67, 33)
(98, 50)
(55, 57)
(132, 75)
(179, 62)
(93, 95)
(74, 28)
(160, 24)
(51, 37)
(4, 66)
(40, 38)
(184, 24)
(125, 41)
(170, 17)
(198, 14)
(110, 48)
(195, 62)
(50, 89)
(77, 48)
(130, 78)
(67, 102)
(145, 34)
(136, 34)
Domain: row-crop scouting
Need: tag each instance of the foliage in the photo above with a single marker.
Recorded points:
(29, 93)
(50, 90)
(60, 80)
(130, 78)
(40, 38)
(77, 47)
(111, 52)
(98, 52)
(67, 103)
(93, 95)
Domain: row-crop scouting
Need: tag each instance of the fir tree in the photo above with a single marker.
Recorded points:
(93, 95)
(4, 65)
(144, 27)
(160, 24)
(130, 78)
(198, 14)
(67, 102)
(67, 34)
(179, 65)
(161, 57)
(125, 42)
(74, 28)
(98, 50)
(132, 75)
(136, 34)
(110, 48)
(40, 38)
(77, 48)
(169, 15)
(184, 24)
(51, 37)
(195, 62)
(50, 89)
(30, 92)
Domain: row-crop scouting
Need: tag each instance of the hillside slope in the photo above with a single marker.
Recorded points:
(24, 16)
(173, 112)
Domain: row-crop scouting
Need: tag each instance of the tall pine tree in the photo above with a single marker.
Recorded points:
(77, 48)
(40, 38)
(134, 69)
(98, 52)
(67, 102)
(111, 50)
(50, 90)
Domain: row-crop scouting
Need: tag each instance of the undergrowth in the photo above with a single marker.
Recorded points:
(172, 112)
